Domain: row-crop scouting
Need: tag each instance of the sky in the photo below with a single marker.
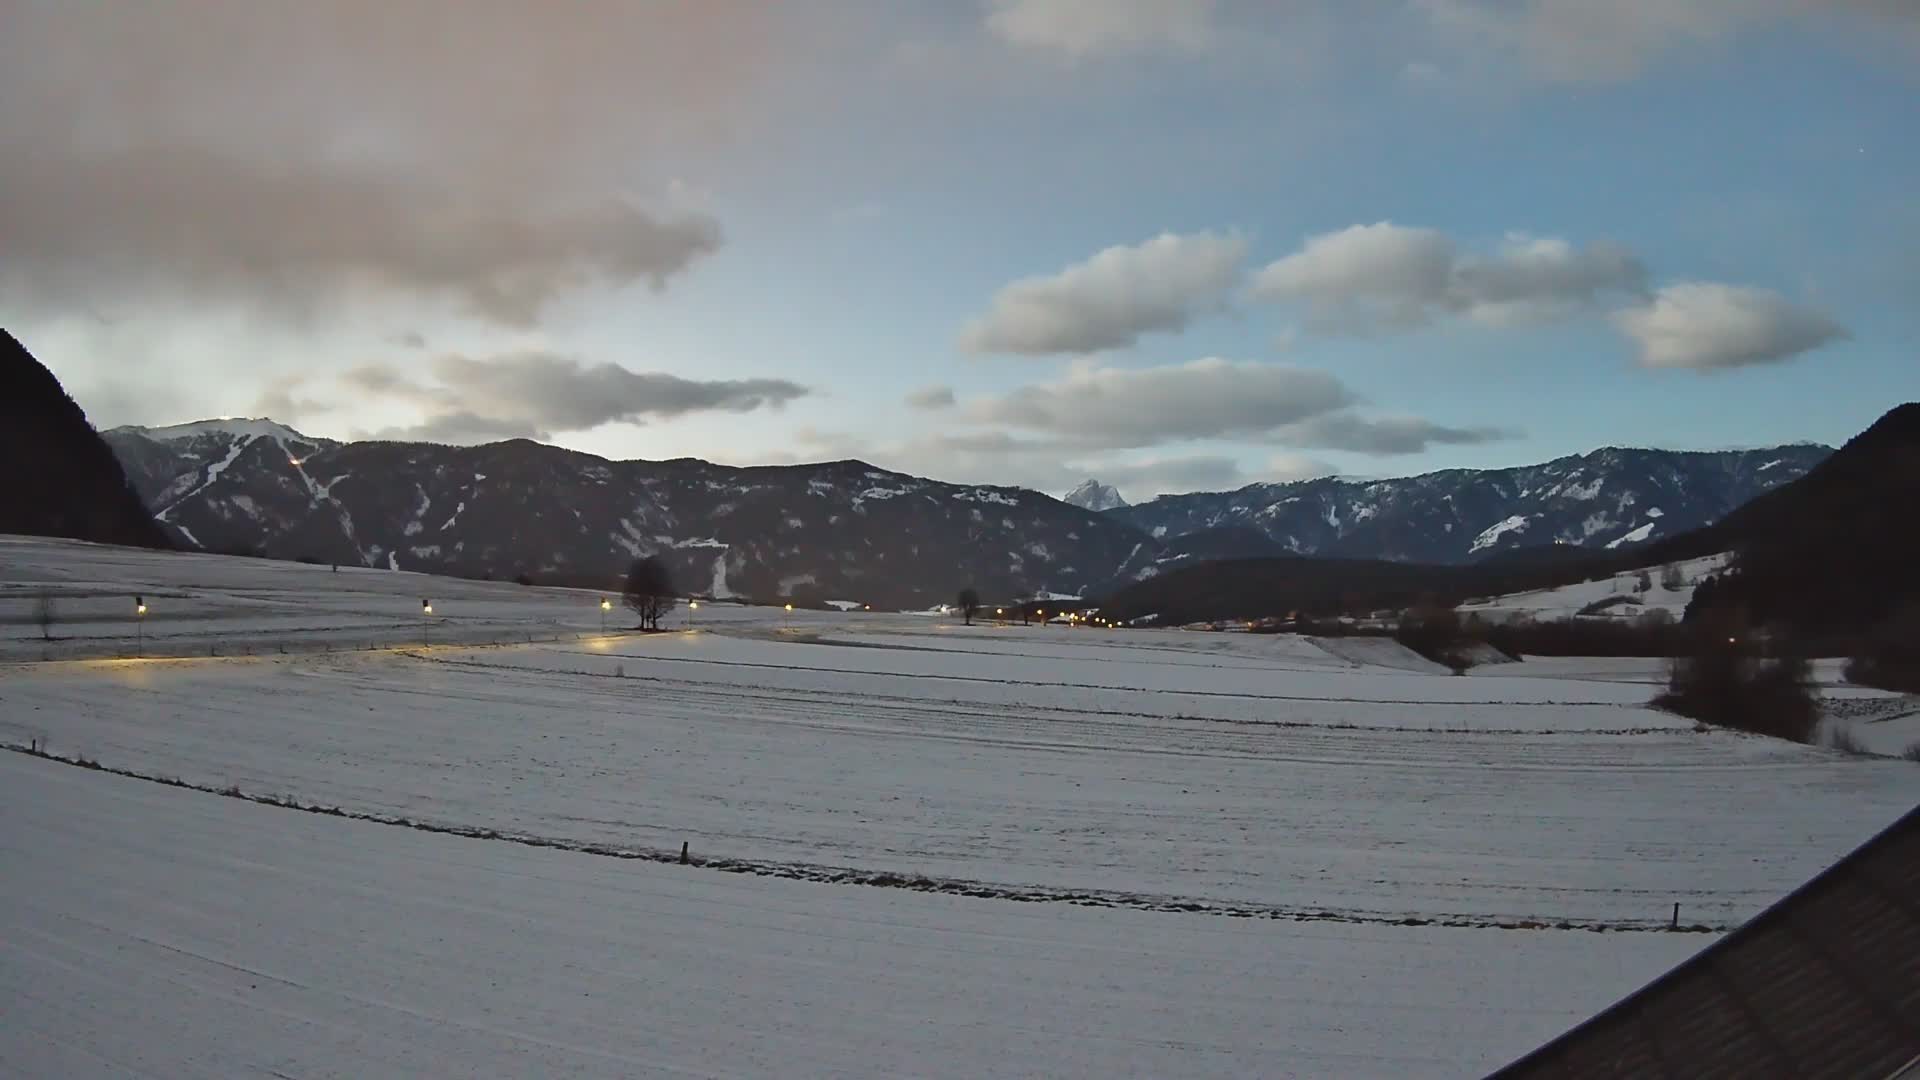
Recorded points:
(1170, 244)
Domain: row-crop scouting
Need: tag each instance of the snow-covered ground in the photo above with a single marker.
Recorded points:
(1054, 827)
(149, 931)
(1620, 589)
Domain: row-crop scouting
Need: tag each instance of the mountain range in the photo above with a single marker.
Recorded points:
(849, 531)
(840, 530)
(1823, 560)
(1609, 498)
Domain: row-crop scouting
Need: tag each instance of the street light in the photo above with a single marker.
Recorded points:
(789, 616)
(140, 624)
(426, 624)
(692, 606)
(606, 605)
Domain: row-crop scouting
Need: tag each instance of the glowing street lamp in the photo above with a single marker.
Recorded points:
(692, 606)
(606, 605)
(426, 621)
(140, 623)
(788, 617)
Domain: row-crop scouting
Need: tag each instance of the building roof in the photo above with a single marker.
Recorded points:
(1825, 983)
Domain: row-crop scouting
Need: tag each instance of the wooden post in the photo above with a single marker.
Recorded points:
(1676, 915)
(684, 860)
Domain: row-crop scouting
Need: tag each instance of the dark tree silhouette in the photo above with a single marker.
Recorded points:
(649, 591)
(969, 604)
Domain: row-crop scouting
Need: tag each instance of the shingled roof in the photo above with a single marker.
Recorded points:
(1825, 983)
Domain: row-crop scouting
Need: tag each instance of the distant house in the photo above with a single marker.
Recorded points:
(1825, 983)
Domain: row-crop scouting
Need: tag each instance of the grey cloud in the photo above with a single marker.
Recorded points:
(1209, 398)
(279, 402)
(1081, 28)
(1139, 480)
(151, 219)
(1111, 299)
(459, 428)
(281, 156)
(993, 456)
(931, 397)
(1347, 430)
(1382, 277)
(534, 394)
(1706, 326)
(1596, 41)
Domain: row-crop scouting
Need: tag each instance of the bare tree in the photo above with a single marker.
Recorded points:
(44, 615)
(1671, 578)
(969, 604)
(649, 591)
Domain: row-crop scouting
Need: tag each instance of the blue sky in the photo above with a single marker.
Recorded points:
(1173, 245)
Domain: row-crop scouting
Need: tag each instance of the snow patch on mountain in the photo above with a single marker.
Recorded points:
(1634, 536)
(1492, 534)
(213, 473)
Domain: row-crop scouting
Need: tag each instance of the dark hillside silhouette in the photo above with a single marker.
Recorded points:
(62, 480)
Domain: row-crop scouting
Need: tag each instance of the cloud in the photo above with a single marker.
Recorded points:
(1611, 40)
(1398, 274)
(1083, 28)
(931, 397)
(278, 402)
(1382, 277)
(1111, 299)
(533, 394)
(1712, 327)
(278, 157)
(1201, 472)
(1289, 468)
(1204, 399)
(154, 220)
(992, 456)
(1347, 430)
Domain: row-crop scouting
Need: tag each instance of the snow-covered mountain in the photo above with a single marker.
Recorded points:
(852, 532)
(810, 533)
(1094, 495)
(1609, 498)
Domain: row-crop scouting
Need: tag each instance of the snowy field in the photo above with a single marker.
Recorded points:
(148, 931)
(1618, 590)
(1077, 851)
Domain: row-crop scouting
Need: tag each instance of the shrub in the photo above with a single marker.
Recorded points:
(44, 615)
(1600, 606)
(1671, 579)
(1588, 637)
(1912, 752)
(1890, 658)
(1838, 736)
(1721, 682)
(523, 579)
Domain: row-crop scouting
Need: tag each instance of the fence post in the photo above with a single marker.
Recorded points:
(684, 860)
(1676, 915)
